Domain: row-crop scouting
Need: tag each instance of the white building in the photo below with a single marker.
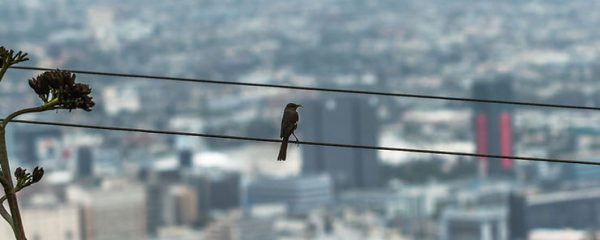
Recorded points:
(237, 226)
(112, 210)
(47, 221)
(301, 194)
(483, 224)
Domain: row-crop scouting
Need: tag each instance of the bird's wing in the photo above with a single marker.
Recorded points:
(288, 123)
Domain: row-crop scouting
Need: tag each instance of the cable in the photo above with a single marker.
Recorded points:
(314, 88)
(310, 89)
(306, 142)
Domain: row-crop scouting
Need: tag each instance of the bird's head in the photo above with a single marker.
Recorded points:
(292, 106)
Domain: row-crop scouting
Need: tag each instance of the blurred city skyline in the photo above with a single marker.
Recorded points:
(188, 187)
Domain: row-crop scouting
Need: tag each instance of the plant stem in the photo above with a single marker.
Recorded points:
(3, 198)
(7, 217)
(3, 211)
(3, 70)
(48, 106)
(9, 189)
(13, 205)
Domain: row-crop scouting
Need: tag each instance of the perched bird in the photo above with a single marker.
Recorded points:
(289, 123)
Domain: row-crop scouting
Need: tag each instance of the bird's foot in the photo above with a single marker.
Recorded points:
(297, 141)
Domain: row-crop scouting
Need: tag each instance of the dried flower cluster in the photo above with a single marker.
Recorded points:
(9, 56)
(60, 86)
(25, 179)
(3, 54)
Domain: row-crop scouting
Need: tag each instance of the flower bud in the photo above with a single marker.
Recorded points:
(37, 175)
(20, 173)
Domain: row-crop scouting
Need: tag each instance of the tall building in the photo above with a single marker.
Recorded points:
(493, 126)
(299, 194)
(170, 206)
(185, 158)
(221, 190)
(181, 206)
(155, 207)
(341, 120)
(216, 190)
(113, 210)
(85, 162)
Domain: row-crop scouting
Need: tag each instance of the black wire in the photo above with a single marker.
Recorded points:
(306, 142)
(314, 88)
(311, 89)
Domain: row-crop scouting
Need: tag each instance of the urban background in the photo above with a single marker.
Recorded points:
(122, 185)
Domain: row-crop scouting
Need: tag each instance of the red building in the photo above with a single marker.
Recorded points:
(493, 126)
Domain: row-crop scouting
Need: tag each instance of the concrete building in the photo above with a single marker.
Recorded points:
(497, 201)
(155, 206)
(237, 226)
(181, 206)
(84, 167)
(574, 209)
(171, 207)
(474, 224)
(584, 174)
(170, 191)
(111, 210)
(300, 194)
(47, 219)
(562, 234)
(346, 121)
(216, 190)
(390, 204)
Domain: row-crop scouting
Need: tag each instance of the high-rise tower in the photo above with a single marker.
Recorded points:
(493, 126)
(347, 121)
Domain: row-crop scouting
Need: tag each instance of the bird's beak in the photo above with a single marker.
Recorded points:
(299, 105)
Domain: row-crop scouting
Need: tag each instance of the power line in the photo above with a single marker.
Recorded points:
(305, 142)
(419, 96)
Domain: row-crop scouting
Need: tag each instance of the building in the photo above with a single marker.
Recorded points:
(389, 204)
(47, 219)
(497, 205)
(179, 233)
(222, 190)
(493, 126)
(84, 167)
(585, 174)
(168, 170)
(237, 226)
(111, 210)
(347, 121)
(32, 143)
(562, 234)
(181, 206)
(216, 190)
(155, 206)
(300, 194)
(574, 209)
(185, 158)
(171, 206)
(483, 224)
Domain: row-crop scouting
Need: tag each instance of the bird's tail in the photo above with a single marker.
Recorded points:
(283, 149)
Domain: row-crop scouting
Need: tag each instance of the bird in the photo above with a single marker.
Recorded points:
(289, 123)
